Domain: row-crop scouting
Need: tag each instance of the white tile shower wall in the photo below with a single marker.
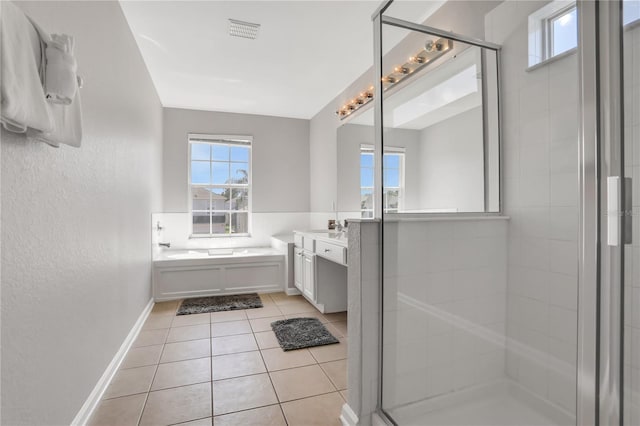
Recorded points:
(176, 228)
(540, 143)
(445, 307)
(632, 252)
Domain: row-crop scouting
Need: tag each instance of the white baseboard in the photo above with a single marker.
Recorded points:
(348, 417)
(292, 291)
(95, 396)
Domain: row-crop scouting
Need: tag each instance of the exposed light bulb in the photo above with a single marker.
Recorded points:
(401, 70)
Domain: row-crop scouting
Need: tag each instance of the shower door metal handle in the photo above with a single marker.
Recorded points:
(619, 198)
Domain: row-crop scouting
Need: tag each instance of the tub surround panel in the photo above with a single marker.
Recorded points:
(76, 224)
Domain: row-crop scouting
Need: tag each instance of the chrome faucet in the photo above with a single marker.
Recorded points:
(167, 245)
(339, 227)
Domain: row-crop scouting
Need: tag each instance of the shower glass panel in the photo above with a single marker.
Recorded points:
(479, 290)
(631, 120)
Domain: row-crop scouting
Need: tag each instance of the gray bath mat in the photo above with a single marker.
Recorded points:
(298, 333)
(202, 305)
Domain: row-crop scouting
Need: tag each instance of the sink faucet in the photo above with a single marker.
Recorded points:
(339, 227)
(167, 245)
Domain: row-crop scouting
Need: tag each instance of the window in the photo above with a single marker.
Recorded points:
(553, 30)
(393, 181)
(220, 185)
(630, 12)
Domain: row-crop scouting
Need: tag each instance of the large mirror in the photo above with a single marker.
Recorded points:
(441, 139)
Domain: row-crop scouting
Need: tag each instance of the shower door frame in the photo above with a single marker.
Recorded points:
(590, 59)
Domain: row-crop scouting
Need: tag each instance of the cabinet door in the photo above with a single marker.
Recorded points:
(298, 270)
(309, 281)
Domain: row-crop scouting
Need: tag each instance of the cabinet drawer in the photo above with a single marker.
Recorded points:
(308, 243)
(332, 252)
(298, 240)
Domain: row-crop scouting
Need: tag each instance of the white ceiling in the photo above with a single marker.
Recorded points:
(306, 53)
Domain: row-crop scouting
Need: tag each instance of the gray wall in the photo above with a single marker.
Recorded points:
(280, 157)
(77, 224)
(452, 163)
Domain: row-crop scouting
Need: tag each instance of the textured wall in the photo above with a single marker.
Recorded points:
(76, 224)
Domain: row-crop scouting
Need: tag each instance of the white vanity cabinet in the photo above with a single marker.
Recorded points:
(320, 271)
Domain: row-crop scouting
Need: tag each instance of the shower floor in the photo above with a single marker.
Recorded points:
(498, 405)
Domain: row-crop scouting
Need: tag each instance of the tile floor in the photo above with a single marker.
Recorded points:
(226, 368)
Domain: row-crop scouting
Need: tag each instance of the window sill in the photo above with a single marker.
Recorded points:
(552, 59)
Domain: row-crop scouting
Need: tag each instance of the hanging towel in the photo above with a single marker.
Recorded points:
(23, 104)
(60, 75)
(67, 124)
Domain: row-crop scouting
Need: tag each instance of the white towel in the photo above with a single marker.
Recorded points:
(60, 76)
(23, 102)
(67, 124)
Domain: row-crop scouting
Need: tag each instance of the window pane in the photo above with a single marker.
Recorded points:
(631, 11)
(239, 223)
(200, 172)
(240, 153)
(391, 161)
(366, 160)
(200, 151)
(219, 223)
(391, 178)
(200, 223)
(565, 32)
(220, 153)
(239, 172)
(366, 177)
(200, 198)
(391, 200)
(366, 199)
(219, 198)
(220, 173)
(239, 199)
(367, 214)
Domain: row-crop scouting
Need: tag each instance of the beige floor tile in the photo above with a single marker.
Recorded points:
(336, 316)
(331, 326)
(263, 324)
(139, 357)
(302, 382)
(272, 311)
(327, 353)
(182, 373)
(190, 349)
(165, 308)
(130, 381)
(267, 340)
(242, 393)
(230, 328)
(296, 308)
(177, 405)
(341, 326)
(277, 359)
(315, 314)
(267, 301)
(201, 422)
(233, 344)
(263, 416)
(191, 332)
(279, 295)
(236, 365)
(322, 410)
(193, 319)
(337, 372)
(155, 322)
(345, 395)
(123, 411)
(225, 316)
(151, 337)
(283, 298)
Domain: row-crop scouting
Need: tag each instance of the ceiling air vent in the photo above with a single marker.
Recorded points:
(243, 29)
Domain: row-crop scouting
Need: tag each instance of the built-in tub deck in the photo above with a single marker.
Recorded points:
(183, 273)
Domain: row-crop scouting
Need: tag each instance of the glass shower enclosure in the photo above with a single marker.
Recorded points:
(506, 297)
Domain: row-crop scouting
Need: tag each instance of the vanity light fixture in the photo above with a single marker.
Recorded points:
(432, 50)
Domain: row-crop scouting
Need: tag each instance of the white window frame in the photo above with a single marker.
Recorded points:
(237, 140)
(541, 33)
(365, 148)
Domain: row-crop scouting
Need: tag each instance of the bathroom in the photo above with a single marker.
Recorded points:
(469, 238)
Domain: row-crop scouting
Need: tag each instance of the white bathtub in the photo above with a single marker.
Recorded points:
(180, 274)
